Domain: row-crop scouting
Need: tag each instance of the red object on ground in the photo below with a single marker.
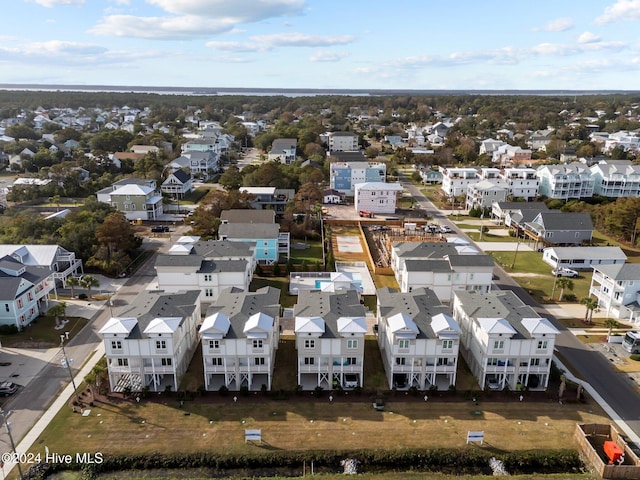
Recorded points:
(612, 451)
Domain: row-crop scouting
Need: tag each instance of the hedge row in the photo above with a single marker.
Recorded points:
(460, 461)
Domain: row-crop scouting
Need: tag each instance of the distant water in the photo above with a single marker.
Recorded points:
(292, 92)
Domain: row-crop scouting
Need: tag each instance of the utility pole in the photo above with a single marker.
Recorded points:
(67, 363)
(13, 445)
(513, 264)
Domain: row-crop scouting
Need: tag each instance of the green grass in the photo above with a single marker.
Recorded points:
(489, 237)
(286, 300)
(192, 197)
(312, 254)
(540, 285)
(382, 281)
(41, 334)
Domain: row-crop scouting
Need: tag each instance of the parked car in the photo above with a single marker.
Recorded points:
(350, 380)
(160, 229)
(8, 388)
(564, 272)
(445, 229)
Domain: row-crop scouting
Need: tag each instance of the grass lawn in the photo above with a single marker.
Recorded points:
(124, 427)
(282, 283)
(489, 237)
(382, 281)
(312, 254)
(41, 334)
(193, 197)
(535, 275)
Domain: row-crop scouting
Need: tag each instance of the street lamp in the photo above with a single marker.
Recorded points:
(66, 362)
(5, 415)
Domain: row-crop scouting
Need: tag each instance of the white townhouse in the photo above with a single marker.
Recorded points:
(330, 330)
(617, 288)
(151, 343)
(455, 180)
(240, 336)
(627, 140)
(504, 342)
(565, 182)
(522, 182)
(208, 266)
(616, 179)
(342, 141)
(377, 197)
(485, 192)
(418, 340)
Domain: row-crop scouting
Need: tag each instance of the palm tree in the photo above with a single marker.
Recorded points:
(88, 282)
(592, 306)
(72, 282)
(564, 282)
(58, 310)
(610, 323)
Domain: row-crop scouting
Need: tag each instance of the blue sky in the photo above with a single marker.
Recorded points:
(370, 44)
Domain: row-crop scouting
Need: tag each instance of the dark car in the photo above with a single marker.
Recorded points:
(160, 229)
(8, 388)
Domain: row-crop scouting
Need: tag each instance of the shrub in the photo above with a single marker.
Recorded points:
(82, 296)
(258, 270)
(318, 390)
(8, 329)
(244, 391)
(413, 391)
(276, 270)
(223, 391)
(167, 389)
(570, 297)
(263, 389)
(635, 357)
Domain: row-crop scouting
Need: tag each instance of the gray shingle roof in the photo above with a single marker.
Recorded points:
(329, 306)
(622, 271)
(249, 230)
(563, 221)
(248, 216)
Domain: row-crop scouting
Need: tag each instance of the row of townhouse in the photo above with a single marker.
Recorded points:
(505, 343)
(482, 187)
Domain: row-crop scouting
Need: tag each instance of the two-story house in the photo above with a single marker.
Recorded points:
(617, 288)
(149, 346)
(510, 155)
(177, 184)
(283, 150)
(505, 343)
(376, 197)
(269, 198)
(199, 163)
(418, 340)
(560, 228)
(55, 258)
(136, 198)
(210, 267)
(239, 339)
(259, 228)
(330, 330)
(485, 192)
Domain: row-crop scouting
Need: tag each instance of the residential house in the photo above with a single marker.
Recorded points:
(522, 182)
(560, 228)
(54, 258)
(565, 182)
(259, 228)
(616, 179)
(330, 331)
(344, 176)
(24, 290)
(488, 146)
(342, 141)
(144, 149)
(331, 196)
(455, 180)
(441, 267)
(540, 139)
(209, 267)
(178, 184)
(239, 337)
(583, 257)
(500, 211)
(484, 193)
(199, 163)
(418, 340)
(283, 150)
(617, 288)
(270, 198)
(376, 197)
(505, 343)
(136, 198)
(510, 155)
(629, 141)
(430, 176)
(150, 345)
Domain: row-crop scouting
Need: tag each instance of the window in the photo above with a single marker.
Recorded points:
(498, 345)
(208, 292)
(309, 344)
(309, 360)
(6, 307)
(257, 344)
(166, 362)
(30, 296)
(351, 361)
(20, 304)
(403, 344)
(492, 361)
(214, 344)
(123, 362)
(352, 344)
(161, 345)
(542, 345)
(447, 344)
(258, 361)
(207, 277)
(401, 361)
(535, 362)
(216, 361)
(116, 345)
(445, 361)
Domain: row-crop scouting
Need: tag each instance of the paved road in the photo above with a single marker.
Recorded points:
(615, 388)
(32, 401)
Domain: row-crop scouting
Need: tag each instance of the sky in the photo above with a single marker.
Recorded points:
(324, 44)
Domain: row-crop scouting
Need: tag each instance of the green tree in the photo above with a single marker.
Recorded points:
(72, 282)
(591, 305)
(115, 239)
(57, 311)
(231, 179)
(611, 323)
(89, 282)
(564, 283)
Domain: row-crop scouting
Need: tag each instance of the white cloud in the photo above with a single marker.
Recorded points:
(621, 10)
(588, 37)
(302, 40)
(325, 56)
(233, 46)
(55, 3)
(558, 25)
(195, 18)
